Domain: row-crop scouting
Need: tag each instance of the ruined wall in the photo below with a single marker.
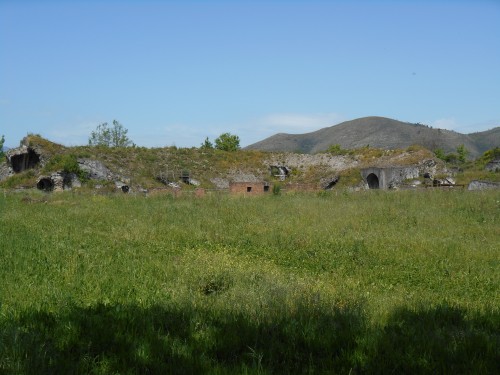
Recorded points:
(58, 181)
(249, 188)
(388, 178)
(23, 158)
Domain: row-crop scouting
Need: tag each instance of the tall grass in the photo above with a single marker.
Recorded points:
(371, 282)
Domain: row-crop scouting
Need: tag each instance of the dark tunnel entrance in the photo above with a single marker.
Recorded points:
(372, 181)
(24, 161)
(45, 184)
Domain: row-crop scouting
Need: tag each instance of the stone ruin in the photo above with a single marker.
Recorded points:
(279, 171)
(21, 159)
(58, 181)
(388, 178)
(25, 157)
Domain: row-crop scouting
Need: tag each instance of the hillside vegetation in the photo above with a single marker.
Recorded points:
(147, 169)
(140, 167)
(379, 132)
(374, 282)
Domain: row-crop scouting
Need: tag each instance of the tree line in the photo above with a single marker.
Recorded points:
(116, 136)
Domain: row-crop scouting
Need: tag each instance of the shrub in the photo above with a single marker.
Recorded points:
(227, 142)
(336, 150)
(276, 189)
(67, 163)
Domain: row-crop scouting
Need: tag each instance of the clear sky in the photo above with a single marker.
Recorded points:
(175, 72)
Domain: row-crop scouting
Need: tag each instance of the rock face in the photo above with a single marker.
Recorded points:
(428, 167)
(5, 171)
(95, 169)
(493, 166)
(483, 185)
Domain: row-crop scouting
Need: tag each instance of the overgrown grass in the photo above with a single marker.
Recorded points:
(375, 282)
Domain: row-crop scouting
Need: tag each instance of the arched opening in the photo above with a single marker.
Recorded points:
(45, 184)
(24, 161)
(372, 181)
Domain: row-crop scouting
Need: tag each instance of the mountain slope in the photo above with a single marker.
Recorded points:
(379, 132)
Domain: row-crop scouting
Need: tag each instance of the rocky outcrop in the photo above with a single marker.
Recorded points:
(483, 185)
(428, 167)
(96, 170)
(493, 166)
(5, 171)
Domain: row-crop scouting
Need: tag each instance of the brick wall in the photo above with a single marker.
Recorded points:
(249, 188)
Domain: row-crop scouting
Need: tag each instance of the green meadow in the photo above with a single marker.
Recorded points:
(337, 282)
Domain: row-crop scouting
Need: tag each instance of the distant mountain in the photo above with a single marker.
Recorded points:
(379, 132)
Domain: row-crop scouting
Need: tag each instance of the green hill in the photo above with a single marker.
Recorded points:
(379, 132)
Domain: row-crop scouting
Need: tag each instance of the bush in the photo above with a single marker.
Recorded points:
(67, 163)
(337, 150)
(276, 189)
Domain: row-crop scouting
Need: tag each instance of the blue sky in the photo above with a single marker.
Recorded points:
(175, 72)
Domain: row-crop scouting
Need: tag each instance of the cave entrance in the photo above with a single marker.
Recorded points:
(45, 184)
(24, 161)
(372, 181)
(332, 183)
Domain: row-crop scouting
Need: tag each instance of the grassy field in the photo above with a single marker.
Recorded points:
(373, 282)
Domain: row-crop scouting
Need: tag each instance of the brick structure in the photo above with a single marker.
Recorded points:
(249, 188)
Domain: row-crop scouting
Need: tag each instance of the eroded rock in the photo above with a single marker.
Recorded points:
(483, 185)
(493, 166)
(95, 169)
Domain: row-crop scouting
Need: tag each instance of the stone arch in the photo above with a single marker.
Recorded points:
(372, 180)
(45, 184)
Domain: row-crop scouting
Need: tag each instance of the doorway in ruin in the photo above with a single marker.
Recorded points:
(24, 161)
(45, 184)
(372, 181)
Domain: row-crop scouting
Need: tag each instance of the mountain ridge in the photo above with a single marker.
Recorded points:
(379, 132)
